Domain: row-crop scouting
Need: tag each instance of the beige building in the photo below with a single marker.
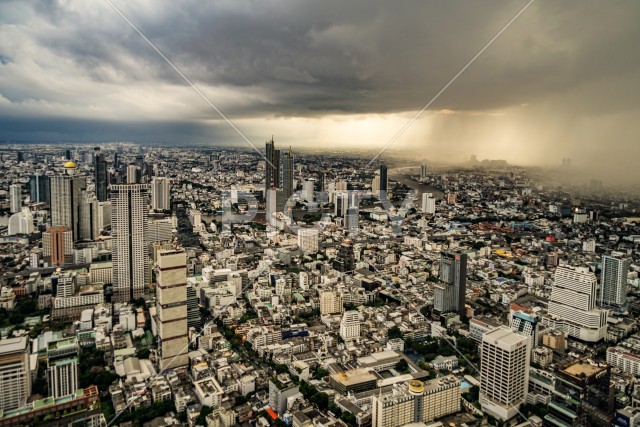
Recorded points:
(15, 376)
(330, 302)
(172, 308)
(416, 402)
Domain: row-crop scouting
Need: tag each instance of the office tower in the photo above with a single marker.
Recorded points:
(67, 154)
(133, 173)
(15, 375)
(308, 240)
(307, 190)
(416, 402)
(15, 197)
(428, 203)
(160, 230)
(572, 305)
(39, 189)
(583, 396)
(330, 302)
(350, 325)
(104, 215)
(287, 174)
(20, 223)
(116, 161)
(352, 219)
(57, 246)
(423, 172)
(384, 182)
(20, 156)
(172, 310)
(453, 274)
(341, 204)
(272, 166)
(613, 286)
(160, 194)
(375, 185)
(346, 259)
(100, 175)
(504, 372)
(65, 198)
(525, 321)
(62, 367)
(87, 217)
(129, 230)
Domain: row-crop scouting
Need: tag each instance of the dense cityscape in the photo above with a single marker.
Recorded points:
(156, 285)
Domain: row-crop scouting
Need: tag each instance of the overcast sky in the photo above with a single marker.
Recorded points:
(562, 81)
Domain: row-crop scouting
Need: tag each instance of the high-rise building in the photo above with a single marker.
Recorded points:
(416, 402)
(350, 325)
(100, 175)
(62, 367)
(330, 302)
(20, 223)
(39, 189)
(583, 396)
(88, 227)
(193, 310)
(453, 274)
(345, 260)
(57, 246)
(428, 203)
(341, 204)
(15, 375)
(287, 174)
(280, 390)
(15, 197)
(613, 286)
(423, 172)
(525, 321)
(572, 305)
(271, 201)
(308, 240)
(272, 166)
(504, 372)
(352, 219)
(65, 198)
(384, 182)
(160, 194)
(129, 230)
(172, 310)
(133, 174)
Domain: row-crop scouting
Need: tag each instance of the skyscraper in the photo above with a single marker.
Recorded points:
(423, 172)
(272, 166)
(504, 372)
(62, 367)
(39, 189)
(453, 274)
(172, 308)
(15, 197)
(129, 229)
(613, 286)
(428, 203)
(65, 198)
(287, 174)
(15, 375)
(100, 177)
(160, 194)
(384, 183)
(572, 305)
(87, 217)
(57, 245)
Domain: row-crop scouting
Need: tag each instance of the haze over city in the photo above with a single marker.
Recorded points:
(561, 81)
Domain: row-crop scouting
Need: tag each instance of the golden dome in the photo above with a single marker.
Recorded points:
(70, 165)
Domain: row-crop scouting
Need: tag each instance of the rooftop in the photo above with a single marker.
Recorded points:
(583, 368)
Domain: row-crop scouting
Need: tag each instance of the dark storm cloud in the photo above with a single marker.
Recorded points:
(567, 60)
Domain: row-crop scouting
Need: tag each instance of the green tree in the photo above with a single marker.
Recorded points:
(394, 332)
(402, 366)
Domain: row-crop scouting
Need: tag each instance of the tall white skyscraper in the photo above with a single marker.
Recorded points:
(15, 197)
(504, 372)
(350, 325)
(428, 203)
(15, 375)
(572, 305)
(160, 194)
(129, 229)
(172, 308)
(613, 284)
(308, 240)
(62, 367)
